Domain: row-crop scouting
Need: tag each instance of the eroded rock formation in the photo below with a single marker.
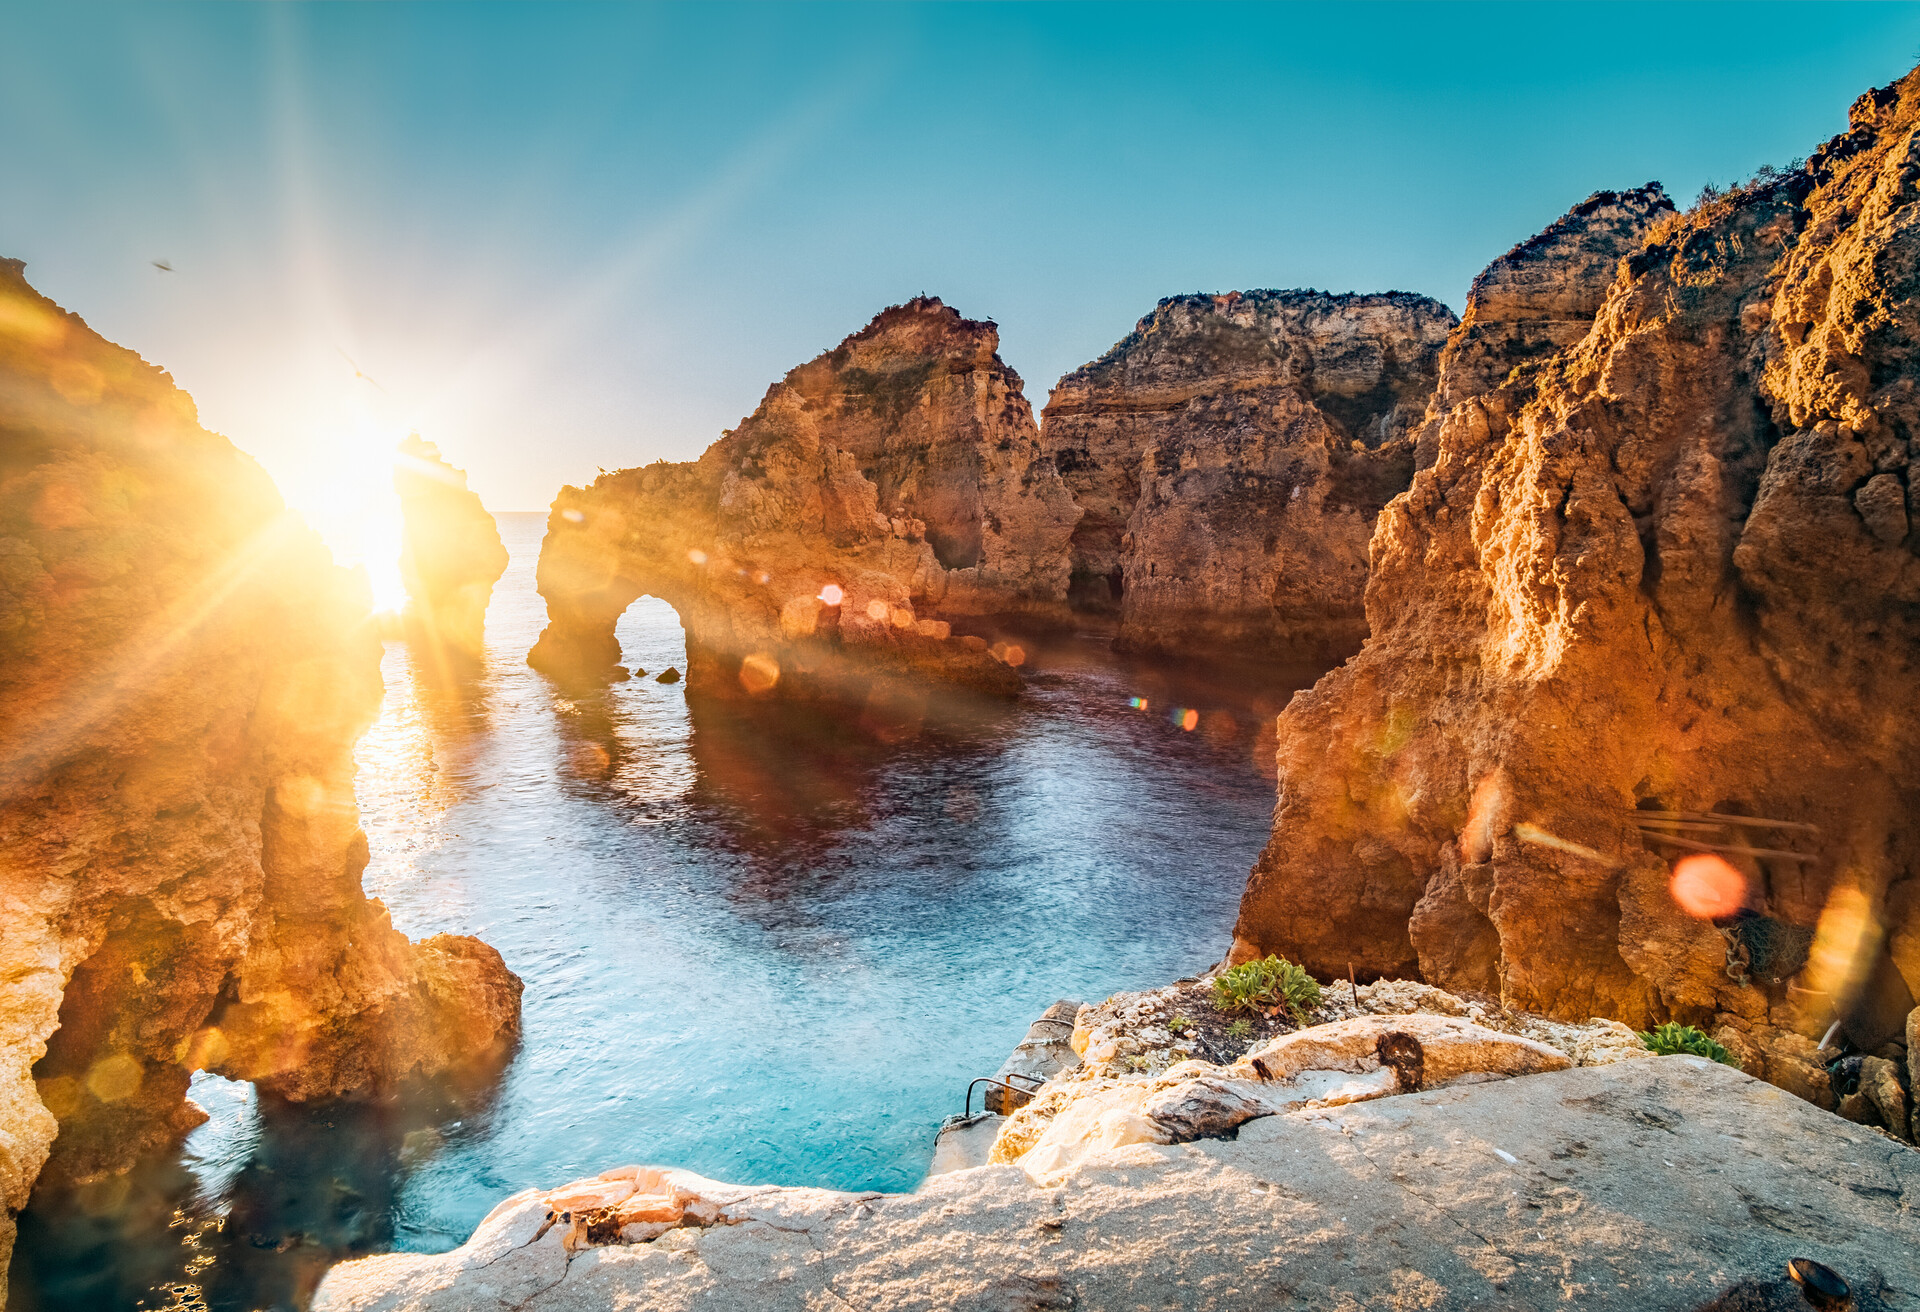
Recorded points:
(890, 481)
(183, 674)
(450, 551)
(1661, 565)
(1417, 1196)
(1230, 456)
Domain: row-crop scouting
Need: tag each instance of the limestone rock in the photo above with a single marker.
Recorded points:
(898, 475)
(451, 554)
(1092, 1108)
(1913, 1073)
(1230, 456)
(1882, 503)
(183, 674)
(1632, 576)
(1588, 1186)
(1045, 1052)
(1881, 1087)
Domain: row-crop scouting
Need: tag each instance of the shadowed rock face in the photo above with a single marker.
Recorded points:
(1230, 456)
(902, 469)
(1659, 567)
(183, 673)
(450, 553)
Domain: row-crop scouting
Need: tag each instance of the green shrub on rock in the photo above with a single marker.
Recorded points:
(1270, 981)
(1674, 1038)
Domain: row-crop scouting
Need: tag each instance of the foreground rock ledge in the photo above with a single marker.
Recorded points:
(1663, 1183)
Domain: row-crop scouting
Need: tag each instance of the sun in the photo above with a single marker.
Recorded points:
(346, 494)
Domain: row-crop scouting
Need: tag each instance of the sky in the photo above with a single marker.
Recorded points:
(555, 238)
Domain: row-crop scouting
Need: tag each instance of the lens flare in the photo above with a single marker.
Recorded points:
(758, 673)
(1489, 802)
(1707, 888)
(832, 595)
(1137, 703)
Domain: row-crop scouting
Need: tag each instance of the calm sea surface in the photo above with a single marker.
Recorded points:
(765, 944)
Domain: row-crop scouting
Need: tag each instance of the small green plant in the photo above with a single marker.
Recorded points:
(1674, 1038)
(1271, 981)
(1240, 1029)
(1179, 1025)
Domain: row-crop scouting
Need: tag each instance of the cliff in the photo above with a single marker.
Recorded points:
(1653, 594)
(183, 674)
(1230, 456)
(450, 553)
(893, 480)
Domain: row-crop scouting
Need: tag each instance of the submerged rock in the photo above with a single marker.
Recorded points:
(1230, 456)
(1592, 1185)
(1633, 589)
(896, 478)
(183, 675)
(451, 554)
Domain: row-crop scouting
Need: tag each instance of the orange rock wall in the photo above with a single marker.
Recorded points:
(183, 674)
(1662, 562)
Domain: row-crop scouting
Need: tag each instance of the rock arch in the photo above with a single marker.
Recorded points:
(879, 491)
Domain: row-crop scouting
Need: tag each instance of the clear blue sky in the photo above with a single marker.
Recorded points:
(563, 237)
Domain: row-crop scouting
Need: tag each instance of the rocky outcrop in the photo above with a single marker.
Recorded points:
(183, 674)
(1646, 599)
(890, 482)
(1230, 456)
(1592, 1186)
(450, 553)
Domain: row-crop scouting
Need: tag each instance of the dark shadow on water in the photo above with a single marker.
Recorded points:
(310, 1185)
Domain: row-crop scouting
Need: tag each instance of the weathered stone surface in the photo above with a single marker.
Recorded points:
(183, 673)
(1045, 1052)
(1135, 1034)
(1101, 1105)
(1881, 1086)
(808, 550)
(1591, 1186)
(1913, 1074)
(450, 554)
(1230, 456)
(1633, 575)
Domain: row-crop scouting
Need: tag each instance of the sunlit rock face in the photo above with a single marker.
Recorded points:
(1664, 567)
(450, 553)
(891, 481)
(183, 673)
(1230, 456)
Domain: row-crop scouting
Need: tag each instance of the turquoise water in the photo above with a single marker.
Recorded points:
(766, 944)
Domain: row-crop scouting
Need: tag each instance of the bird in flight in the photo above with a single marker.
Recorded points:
(356, 368)
(163, 265)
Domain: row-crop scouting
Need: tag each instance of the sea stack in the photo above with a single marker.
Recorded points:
(879, 492)
(450, 555)
(183, 674)
(1654, 593)
(1230, 455)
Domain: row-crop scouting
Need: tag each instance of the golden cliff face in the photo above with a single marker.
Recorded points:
(1662, 564)
(1231, 454)
(183, 674)
(895, 479)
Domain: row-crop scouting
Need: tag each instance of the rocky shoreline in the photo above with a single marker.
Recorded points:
(1617, 569)
(1400, 1142)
